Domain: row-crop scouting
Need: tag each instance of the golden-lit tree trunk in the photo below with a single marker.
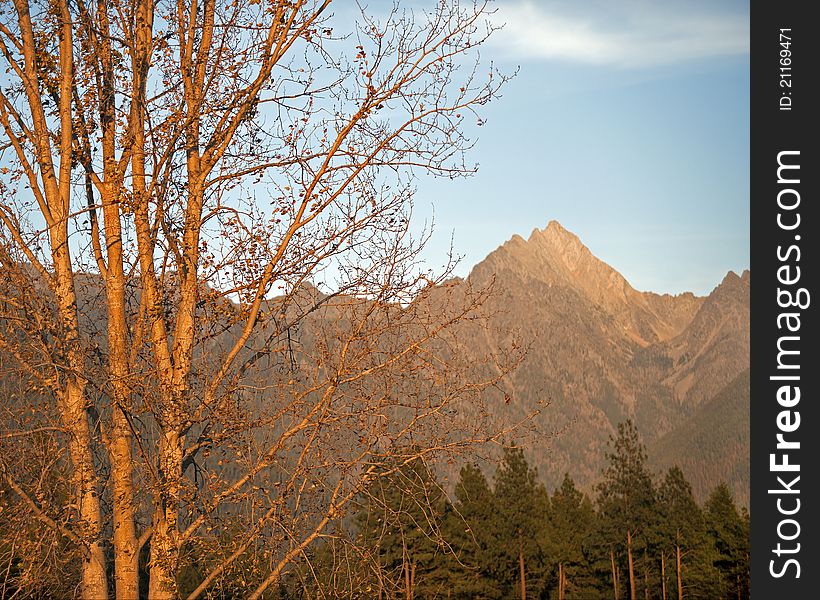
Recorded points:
(165, 536)
(521, 571)
(561, 581)
(645, 576)
(678, 569)
(663, 575)
(126, 547)
(633, 592)
(126, 552)
(84, 480)
(172, 371)
(74, 413)
(614, 572)
(125, 543)
(54, 201)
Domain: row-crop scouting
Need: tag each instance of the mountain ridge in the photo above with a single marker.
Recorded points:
(600, 352)
(557, 256)
(604, 352)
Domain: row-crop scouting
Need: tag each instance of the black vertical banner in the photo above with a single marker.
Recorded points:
(785, 265)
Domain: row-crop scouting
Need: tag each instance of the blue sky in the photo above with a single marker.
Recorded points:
(629, 123)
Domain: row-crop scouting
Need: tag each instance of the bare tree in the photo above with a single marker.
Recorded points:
(177, 178)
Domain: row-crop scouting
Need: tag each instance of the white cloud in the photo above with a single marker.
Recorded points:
(621, 35)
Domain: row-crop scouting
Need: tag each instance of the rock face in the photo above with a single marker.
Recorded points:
(601, 352)
(556, 256)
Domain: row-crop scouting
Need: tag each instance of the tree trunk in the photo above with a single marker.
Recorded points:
(564, 585)
(408, 589)
(126, 552)
(94, 577)
(55, 205)
(164, 540)
(562, 581)
(645, 576)
(125, 539)
(74, 413)
(379, 572)
(408, 584)
(677, 561)
(521, 566)
(614, 572)
(663, 575)
(633, 593)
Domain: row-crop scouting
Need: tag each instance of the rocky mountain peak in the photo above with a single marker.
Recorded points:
(733, 280)
(557, 235)
(551, 255)
(733, 290)
(556, 257)
(562, 245)
(603, 351)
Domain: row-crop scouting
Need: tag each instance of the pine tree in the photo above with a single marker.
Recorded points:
(626, 498)
(729, 530)
(572, 519)
(473, 530)
(523, 512)
(685, 548)
(400, 521)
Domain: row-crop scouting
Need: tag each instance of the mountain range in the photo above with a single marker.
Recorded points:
(600, 352)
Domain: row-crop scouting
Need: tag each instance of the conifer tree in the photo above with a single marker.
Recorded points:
(400, 520)
(572, 519)
(684, 545)
(523, 511)
(626, 499)
(473, 531)
(729, 529)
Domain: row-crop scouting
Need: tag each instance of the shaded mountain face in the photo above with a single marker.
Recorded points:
(712, 444)
(601, 352)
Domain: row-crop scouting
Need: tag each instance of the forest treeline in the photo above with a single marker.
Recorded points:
(640, 537)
